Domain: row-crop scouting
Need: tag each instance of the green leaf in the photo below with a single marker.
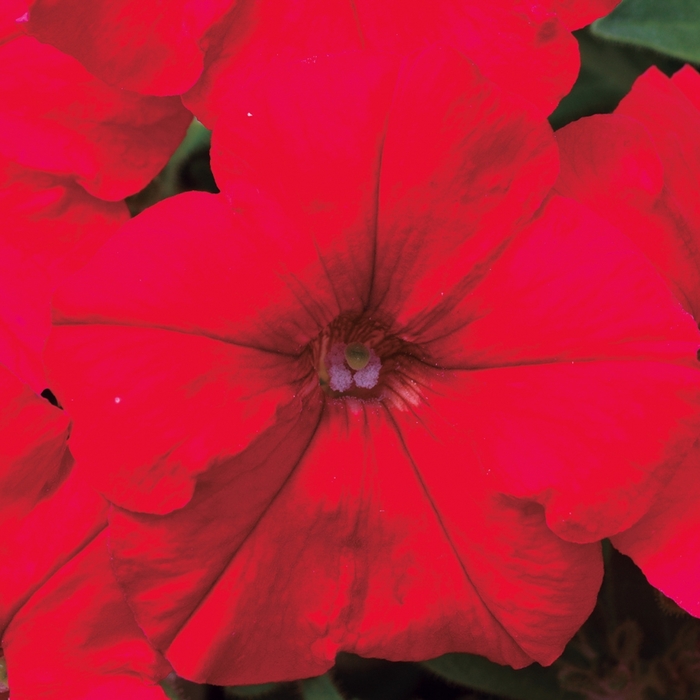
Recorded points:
(170, 690)
(477, 673)
(251, 691)
(671, 27)
(320, 688)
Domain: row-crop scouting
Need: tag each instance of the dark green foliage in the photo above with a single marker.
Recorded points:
(670, 27)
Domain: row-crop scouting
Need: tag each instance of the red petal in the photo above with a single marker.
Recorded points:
(592, 441)
(133, 44)
(578, 13)
(186, 263)
(610, 163)
(77, 638)
(227, 503)
(665, 542)
(152, 392)
(51, 227)
(569, 287)
(13, 18)
(58, 118)
(687, 80)
(426, 189)
(674, 124)
(463, 166)
(152, 408)
(308, 147)
(64, 519)
(33, 435)
(352, 552)
(45, 515)
(58, 639)
(514, 44)
(605, 341)
(259, 33)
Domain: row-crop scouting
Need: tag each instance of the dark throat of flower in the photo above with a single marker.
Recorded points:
(360, 359)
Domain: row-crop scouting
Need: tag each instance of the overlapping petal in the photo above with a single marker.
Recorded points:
(137, 46)
(76, 637)
(33, 448)
(66, 627)
(51, 227)
(639, 169)
(612, 166)
(58, 118)
(664, 543)
(673, 122)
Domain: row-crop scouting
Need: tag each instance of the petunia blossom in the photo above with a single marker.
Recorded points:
(523, 46)
(639, 169)
(66, 628)
(384, 394)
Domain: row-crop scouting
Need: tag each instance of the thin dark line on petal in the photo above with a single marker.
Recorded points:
(398, 249)
(356, 15)
(461, 290)
(544, 361)
(423, 485)
(182, 331)
(318, 312)
(328, 276)
(252, 529)
(377, 194)
(56, 570)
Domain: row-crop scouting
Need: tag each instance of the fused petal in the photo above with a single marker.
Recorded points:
(390, 554)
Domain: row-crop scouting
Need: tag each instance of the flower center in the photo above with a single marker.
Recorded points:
(350, 364)
(359, 358)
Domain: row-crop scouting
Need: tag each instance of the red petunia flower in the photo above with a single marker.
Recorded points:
(520, 45)
(640, 170)
(347, 403)
(66, 628)
(58, 118)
